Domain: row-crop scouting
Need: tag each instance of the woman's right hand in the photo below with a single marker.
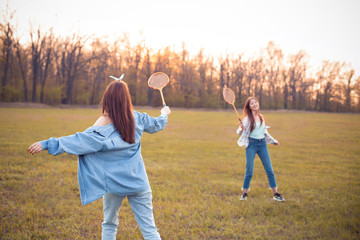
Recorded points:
(242, 126)
(165, 110)
(35, 148)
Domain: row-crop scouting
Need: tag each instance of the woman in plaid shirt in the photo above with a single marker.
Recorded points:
(254, 136)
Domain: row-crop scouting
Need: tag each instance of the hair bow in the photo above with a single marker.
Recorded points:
(118, 79)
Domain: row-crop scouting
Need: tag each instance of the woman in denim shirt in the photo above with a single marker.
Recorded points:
(255, 137)
(110, 163)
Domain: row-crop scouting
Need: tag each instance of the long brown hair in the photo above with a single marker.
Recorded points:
(116, 102)
(248, 113)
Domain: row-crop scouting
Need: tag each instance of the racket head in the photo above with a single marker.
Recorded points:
(158, 80)
(229, 95)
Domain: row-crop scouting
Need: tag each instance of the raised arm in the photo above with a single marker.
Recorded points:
(152, 124)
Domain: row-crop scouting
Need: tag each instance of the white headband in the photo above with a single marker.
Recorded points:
(118, 79)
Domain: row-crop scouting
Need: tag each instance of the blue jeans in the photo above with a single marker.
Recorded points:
(258, 146)
(143, 211)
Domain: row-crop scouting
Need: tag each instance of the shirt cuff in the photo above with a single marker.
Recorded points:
(44, 144)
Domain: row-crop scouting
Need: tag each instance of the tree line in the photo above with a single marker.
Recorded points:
(75, 69)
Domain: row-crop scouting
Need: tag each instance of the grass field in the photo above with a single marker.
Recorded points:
(196, 171)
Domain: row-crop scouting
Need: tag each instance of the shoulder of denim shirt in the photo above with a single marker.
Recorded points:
(104, 131)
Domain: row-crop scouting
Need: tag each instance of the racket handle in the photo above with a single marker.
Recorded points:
(162, 97)
(236, 112)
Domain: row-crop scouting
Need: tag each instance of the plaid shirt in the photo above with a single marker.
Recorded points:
(244, 135)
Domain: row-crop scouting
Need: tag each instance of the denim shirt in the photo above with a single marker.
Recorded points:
(108, 164)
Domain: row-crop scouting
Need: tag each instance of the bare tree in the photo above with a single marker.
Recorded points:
(348, 88)
(45, 61)
(221, 79)
(326, 79)
(238, 75)
(254, 68)
(139, 49)
(297, 74)
(357, 93)
(161, 64)
(262, 81)
(37, 46)
(274, 64)
(304, 92)
(286, 88)
(97, 64)
(7, 39)
(71, 63)
(146, 70)
(76, 74)
(188, 77)
(201, 64)
(23, 67)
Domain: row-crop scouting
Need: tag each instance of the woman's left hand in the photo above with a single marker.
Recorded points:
(165, 110)
(277, 144)
(35, 148)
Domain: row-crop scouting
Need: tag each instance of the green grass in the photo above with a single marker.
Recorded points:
(196, 171)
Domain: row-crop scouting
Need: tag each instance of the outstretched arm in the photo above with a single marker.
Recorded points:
(270, 139)
(77, 144)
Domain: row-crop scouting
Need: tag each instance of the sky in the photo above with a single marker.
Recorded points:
(325, 29)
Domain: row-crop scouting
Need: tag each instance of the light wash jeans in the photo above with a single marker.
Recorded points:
(143, 211)
(258, 146)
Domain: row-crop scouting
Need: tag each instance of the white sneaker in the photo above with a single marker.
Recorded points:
(243, 197)
(278, 197)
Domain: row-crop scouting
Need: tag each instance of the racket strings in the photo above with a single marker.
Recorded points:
(158, 81)
(229, 96)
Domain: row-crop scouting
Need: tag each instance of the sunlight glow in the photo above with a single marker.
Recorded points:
(326, 30)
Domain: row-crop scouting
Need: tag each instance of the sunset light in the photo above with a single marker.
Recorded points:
(302, 52)
(180, 119)
(326, 30)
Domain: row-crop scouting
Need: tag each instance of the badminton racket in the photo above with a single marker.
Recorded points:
(229, 97)
(158, 81)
